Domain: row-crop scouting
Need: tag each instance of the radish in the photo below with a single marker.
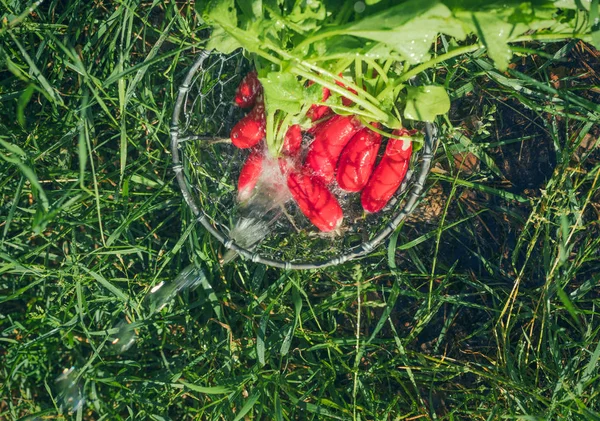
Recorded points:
(292, 141)
(357, 160)
(315, 128)
(388, 175)
(329, 142)
(315, 200)
(398, 149)
(291, 148)
(251, 129)
(248, 90)
(249, 175)
(317, 112)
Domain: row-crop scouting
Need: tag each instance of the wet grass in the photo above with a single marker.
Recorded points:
(484, 306)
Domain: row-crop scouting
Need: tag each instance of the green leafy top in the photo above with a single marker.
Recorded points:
(373, 49)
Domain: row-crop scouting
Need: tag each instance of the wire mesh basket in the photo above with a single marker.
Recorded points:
(207, 166)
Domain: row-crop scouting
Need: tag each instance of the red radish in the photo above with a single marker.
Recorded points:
(248, 90)
(251, 129)
(398, 149)
(318, 126)
(329, 142)
(357, 160)
(291, 147)
(292, 140)
(388, 175)
(317, 112)
(383, 183)
(315, 201)
(249, 175)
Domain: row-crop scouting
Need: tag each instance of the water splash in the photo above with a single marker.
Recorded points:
(160, 295)
(249, 231)
(124, 336)
(259, 214)
(69, 389)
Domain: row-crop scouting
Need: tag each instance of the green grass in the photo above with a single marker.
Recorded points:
(489, 310)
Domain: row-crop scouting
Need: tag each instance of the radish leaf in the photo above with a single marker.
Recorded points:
(425, 102)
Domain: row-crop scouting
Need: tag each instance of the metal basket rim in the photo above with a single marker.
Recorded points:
(358, 251)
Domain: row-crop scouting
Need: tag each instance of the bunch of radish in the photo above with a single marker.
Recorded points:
(342, 151)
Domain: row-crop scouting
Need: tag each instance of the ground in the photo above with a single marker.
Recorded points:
(483, 306)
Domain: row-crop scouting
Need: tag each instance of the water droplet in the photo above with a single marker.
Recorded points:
(69, 390)
(359, 7)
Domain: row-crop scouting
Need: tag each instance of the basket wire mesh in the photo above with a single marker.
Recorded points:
(206, 164)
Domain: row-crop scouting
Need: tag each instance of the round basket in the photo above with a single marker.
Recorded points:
(206, 166)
